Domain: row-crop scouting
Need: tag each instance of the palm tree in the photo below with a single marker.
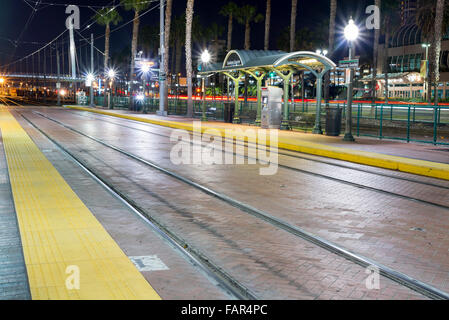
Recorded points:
(188, 43)
(149, 40)
(214, 32)
(178, 35)
(247, 15)
(168, 12)
(106, 17)
(377, 3)
(333, 14)
(438, 34)
(391, 21)
(137, 6)
(426, 20)
(229, 10)
(293, 25)
(267, 25)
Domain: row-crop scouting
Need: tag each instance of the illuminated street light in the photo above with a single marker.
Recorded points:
(111, 74)
(351, 31)
(89, 79)
(351, 34)
(321, 52)
(205, 56)
(145, 68)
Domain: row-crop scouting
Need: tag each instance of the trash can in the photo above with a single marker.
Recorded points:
(228, 112)
(333, 121)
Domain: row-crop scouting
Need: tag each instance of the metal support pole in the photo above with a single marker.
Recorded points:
(72, 58)
(348, 129)
(162, 75)
(203, 102)
(236, 118)
(319, 84)
(285, 124)
(259, 80)
(92, 69)
(58, 83)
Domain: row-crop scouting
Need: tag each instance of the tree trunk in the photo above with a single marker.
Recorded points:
(230, 32)
(267, 25)
(168, 13)
(437, 47)
(178, 56)
(247, 35)
(172, 62)
(293, 25)
(133, 58)
(189, 20)
(333, 14)
(106, 47)
(375, 54)
(386, 66)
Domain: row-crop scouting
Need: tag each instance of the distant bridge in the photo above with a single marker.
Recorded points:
(43, 77)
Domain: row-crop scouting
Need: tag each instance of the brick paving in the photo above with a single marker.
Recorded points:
(273, 263)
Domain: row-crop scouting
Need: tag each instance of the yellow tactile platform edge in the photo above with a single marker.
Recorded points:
(60, 235)
(419, 167)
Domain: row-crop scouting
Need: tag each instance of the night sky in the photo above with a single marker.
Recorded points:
(49, 21)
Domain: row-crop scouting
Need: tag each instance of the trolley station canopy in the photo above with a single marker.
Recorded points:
(254, 60)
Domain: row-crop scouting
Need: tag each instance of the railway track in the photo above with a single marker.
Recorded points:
(311, 173)
(290, 154)
(363, 261)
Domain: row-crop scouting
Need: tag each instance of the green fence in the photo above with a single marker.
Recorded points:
(426, 124)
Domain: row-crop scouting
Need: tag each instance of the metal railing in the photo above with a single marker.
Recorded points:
(411, 123)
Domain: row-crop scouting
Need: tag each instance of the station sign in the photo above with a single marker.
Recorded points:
(353, 64)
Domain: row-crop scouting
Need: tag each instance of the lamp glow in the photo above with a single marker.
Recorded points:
(351, 31)
(205, 56)
(145, 68)
(90, 77)
(111, 74)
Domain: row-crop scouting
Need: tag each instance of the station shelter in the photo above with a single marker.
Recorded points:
(259, 63)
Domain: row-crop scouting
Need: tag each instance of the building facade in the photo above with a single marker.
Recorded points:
(406, 55)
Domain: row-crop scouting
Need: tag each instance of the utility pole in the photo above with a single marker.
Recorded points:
(92, 69)
(348, 128)
(58, 83)
(72, 57)
(162, 75)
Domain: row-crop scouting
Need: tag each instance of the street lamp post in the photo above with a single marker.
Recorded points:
(426, 46)
(351, 34)
(205, 59)
(111, 75)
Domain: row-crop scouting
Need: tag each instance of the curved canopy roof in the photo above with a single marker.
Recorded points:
(255, 60)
